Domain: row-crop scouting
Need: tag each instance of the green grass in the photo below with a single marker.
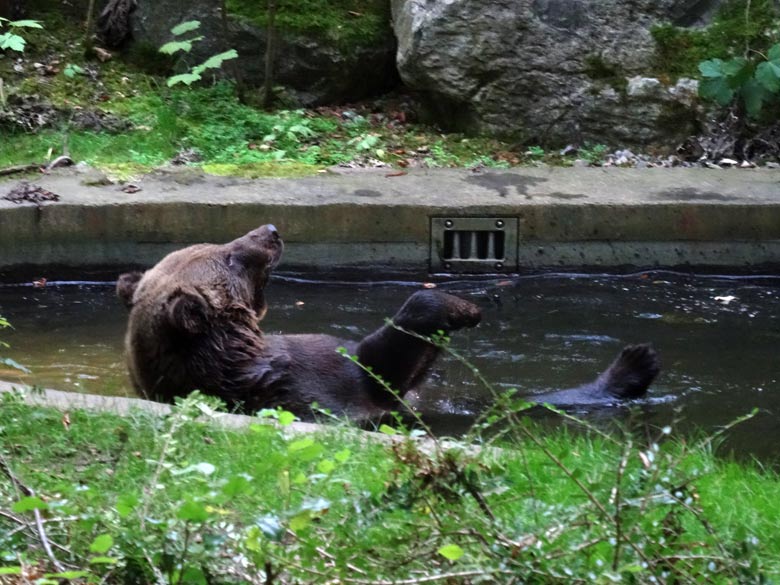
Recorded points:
(347, 23)
(236, 138)
(186, 501)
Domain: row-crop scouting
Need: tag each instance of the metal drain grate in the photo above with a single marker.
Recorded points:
(473, 244)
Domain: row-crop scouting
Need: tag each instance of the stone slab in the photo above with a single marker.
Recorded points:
(568, 217)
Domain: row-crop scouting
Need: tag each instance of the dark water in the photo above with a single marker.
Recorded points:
(720, 357)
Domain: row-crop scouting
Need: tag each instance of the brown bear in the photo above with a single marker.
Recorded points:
(194, 326)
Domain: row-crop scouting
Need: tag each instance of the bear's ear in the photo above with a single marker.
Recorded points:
(240, 259)
(125, 287)
(186, 312)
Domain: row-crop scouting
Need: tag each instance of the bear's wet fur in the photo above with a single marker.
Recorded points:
(194, 325)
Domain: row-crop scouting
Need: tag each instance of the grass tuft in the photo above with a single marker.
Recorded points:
(179, 499)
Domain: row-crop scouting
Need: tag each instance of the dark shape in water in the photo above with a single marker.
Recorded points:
(194, 326)
(629, 377)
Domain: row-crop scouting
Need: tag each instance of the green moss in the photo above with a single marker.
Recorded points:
(734, 31)
(598, 69)
(346, 23)
(262, 169)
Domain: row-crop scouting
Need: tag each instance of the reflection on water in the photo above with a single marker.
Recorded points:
(719, 340)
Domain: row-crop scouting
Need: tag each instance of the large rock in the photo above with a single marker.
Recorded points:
(316, 71)
(547, 71)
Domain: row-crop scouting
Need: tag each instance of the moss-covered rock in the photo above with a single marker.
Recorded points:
(738, 27)
(348, 24)
(326, 50)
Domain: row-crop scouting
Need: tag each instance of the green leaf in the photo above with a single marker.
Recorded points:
(236, 485)
(11, 41)
(326, 466)
(754, 95)
(72, 70)
(768, 75)
(300, 521)
(193, 575)
(125, 504)
(387, 430)
(101, 560)
(451, 552)
(101, 544)
(305, 449)
(10, 570)
(717, 90)
(342, 456)
(215, 62)
(185, 78)
(29, 503)
(301, 129)
(185, 27)
(300, 445)
(192, 512)
(68, 575)
(711, 68)
(25, 24)
(286, 418)
(737, 70)
(175, 46)
(774, 53)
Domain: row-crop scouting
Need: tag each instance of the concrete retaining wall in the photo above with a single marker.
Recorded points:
(568, 218)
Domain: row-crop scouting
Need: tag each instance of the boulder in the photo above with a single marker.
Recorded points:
(315, 70)
(547, 71)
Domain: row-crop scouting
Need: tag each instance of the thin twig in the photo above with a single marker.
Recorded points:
(431, 578)
(29, 492)
(619, 504)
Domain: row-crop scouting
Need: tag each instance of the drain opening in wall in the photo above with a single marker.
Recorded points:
(473, 244)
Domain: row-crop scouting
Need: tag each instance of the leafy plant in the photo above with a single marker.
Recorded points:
(10, 40)
(72, 70)
(535, 151)
(593, 153)
(753, 83)
(185, 46)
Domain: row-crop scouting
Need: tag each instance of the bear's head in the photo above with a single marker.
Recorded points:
(208, 274)
(193, 302)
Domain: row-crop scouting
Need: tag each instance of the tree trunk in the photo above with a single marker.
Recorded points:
(232, 66)
(89, 25)
(270, 47)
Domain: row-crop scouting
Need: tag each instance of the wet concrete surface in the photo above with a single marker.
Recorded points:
(580, 217)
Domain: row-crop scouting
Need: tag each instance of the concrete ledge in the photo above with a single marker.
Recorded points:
(69, 401)
(568, 218)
